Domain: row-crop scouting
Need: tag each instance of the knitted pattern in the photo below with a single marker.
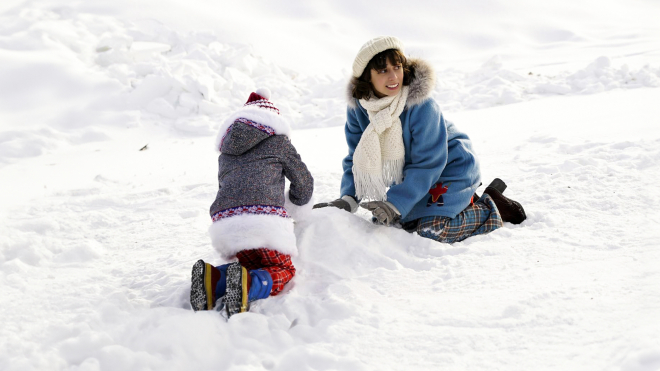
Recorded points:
(379, 156)
(250, 209)
(266, 129)
(263, 103)
(371, 48)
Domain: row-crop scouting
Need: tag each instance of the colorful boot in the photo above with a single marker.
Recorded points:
(511, 211)
(204, 280)
(260, 285)
(236, 298)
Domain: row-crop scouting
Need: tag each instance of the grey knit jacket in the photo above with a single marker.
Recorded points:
(252, 167)
(252, 209)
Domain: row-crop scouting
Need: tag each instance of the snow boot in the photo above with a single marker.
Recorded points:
(498, 184)
(260, 284)
(204, 279)
(236, 297)
(511, 211)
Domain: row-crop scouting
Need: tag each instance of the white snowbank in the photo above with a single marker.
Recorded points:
(78, 71)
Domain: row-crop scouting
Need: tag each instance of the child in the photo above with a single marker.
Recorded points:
(250, 219)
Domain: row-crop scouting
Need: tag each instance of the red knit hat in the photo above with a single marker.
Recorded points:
(260, 99)
(260, 111)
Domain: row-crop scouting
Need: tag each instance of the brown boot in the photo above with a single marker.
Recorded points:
(511, 211)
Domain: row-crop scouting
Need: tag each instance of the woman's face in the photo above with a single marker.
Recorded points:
(388, 81)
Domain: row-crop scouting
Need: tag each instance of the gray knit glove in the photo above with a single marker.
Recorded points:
(338, 203)
(383, 211)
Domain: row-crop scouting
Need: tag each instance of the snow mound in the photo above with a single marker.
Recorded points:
(494, 85)
(77, 78)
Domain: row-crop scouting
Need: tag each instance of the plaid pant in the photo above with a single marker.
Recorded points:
(278, 265)
(479, 217)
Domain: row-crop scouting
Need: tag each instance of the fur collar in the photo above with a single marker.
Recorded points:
(421, 85)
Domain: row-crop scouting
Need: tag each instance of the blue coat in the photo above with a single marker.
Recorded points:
(441, 171)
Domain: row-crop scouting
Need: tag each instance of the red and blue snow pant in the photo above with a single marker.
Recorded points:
(479, 217)
(278, 265)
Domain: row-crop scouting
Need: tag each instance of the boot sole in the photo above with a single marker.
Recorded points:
(201, 296)
(236, 299)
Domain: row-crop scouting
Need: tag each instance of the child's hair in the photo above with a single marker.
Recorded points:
(362, 85)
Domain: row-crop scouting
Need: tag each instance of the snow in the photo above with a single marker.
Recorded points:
(98, 237)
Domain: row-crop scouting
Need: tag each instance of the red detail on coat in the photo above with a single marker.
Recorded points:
(438, 191)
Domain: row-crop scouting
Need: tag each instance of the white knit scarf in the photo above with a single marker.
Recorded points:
(379, 156)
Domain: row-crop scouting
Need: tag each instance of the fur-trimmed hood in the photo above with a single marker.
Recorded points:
(420, 86)
(261, 120)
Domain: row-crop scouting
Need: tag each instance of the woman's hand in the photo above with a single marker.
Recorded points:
(383, 211)
(338, 203)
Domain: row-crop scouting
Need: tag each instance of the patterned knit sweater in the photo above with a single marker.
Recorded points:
(249, 210)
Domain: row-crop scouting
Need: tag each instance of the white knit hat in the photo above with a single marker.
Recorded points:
(371, 48)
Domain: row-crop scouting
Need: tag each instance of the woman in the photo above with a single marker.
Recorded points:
(415, 167)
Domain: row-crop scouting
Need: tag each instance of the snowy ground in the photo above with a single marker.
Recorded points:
(97, 237)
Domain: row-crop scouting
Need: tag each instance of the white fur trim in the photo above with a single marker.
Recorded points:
(299, 213)
(259, 115)
(244, 232)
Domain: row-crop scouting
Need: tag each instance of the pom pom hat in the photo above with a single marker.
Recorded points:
(257, 110)
(260, 99)
(371, 48)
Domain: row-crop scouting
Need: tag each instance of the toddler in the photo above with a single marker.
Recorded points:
(251, 213)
